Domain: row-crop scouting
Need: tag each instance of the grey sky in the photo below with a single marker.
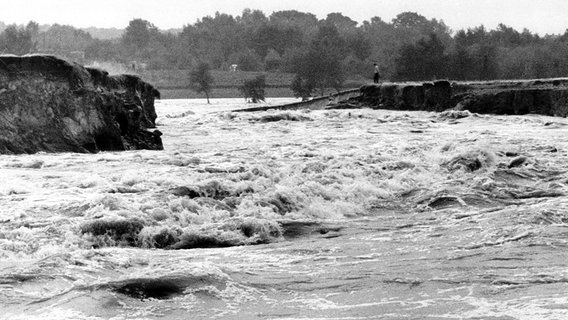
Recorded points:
(541, 16)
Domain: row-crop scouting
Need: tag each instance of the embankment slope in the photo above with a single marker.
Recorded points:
(544, 96)
(53, 105)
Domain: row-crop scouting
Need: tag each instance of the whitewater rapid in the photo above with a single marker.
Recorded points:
(327, 214)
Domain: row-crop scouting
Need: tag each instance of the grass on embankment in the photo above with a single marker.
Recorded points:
(174, 84)
(221, 79)
(217, 93)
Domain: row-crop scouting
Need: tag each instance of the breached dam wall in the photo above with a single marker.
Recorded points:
(546, 96)
(514, 97)
(434, 96)
(50, 104)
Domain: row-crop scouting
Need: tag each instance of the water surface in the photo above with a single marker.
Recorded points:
(338, 214)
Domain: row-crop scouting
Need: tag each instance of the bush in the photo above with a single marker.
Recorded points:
(302, 88)
(200, 79)
(254, 89)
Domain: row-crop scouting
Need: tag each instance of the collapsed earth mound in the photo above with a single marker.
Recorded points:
(545, 96)
(50, 104)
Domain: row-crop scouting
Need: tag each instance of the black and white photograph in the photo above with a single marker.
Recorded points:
(283, 160)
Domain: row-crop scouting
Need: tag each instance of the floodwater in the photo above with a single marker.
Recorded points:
(337, 214)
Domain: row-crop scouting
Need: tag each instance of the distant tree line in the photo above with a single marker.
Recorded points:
(322, 53)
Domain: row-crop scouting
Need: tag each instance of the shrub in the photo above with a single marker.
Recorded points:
(302, 88)
(201, 80)
(254, 89)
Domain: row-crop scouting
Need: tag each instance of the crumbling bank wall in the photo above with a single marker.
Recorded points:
(546, 97)
(50, 104)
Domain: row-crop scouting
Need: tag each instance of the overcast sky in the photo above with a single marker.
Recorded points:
(541, 16)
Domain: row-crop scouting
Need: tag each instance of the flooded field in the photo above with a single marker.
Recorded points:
(338, 214)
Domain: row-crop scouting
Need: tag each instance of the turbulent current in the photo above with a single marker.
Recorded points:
(327, 214)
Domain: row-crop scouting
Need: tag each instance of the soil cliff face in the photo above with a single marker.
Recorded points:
(49, 104)
(434, 96)
(546, 97)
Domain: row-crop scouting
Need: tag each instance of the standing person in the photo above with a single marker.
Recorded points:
(377, 75)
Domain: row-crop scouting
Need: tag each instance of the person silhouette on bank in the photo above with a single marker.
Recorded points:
(377, 74)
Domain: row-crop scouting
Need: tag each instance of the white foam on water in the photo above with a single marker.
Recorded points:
(395, 206)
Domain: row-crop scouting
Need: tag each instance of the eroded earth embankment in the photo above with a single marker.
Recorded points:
(547, 97)
(49, 104)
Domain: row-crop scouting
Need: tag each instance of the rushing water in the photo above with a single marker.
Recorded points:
(338, 214)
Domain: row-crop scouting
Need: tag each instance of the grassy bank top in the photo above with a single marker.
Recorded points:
(179, 79)
(170, 79)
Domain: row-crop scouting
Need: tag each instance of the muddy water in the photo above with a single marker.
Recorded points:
(364, 214)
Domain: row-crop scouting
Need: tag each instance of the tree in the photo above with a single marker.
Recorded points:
(252, 19)
(505, 36)
(138, 33)
(277, 37)
(462, 64)
(307, 22)
(318, 69)
(319, 52)
(140, 40)
(32, 28)
(342, 23)
(485, 56)
(422, 61)
(359, 45)
(102, 50)
(409, 20)
(254, 89)
(62, 39)
(302, 87)
(272, 61)
(384, 45)
(564, 37)
(17, 40)
(321, 65)
(201, 79)
(219, 37)
(247, 60)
